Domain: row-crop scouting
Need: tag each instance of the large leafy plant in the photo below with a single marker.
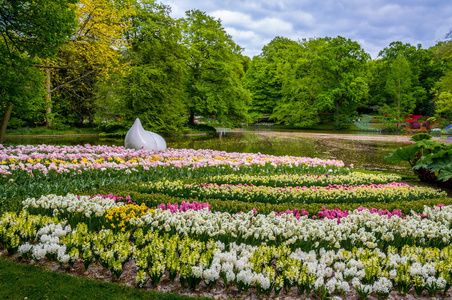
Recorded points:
(431, 161)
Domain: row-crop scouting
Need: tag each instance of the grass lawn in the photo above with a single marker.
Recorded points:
(18, 281)
(45, 131)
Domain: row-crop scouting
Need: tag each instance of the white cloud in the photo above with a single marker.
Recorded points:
(372, 23)
(265, 26)
(249, 40)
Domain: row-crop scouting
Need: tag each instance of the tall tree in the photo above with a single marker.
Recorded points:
(215, 71)
(299, 86)
(21, 88)
(342, 64)
(321, 75)
(92, 54)
(153, 90)
(443, 96)
(264, 77)
(425, 71)
(398, 86)
(443, 87)
(29, 30)
(443, 103)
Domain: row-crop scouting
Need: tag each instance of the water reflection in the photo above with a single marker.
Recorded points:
(364, 154)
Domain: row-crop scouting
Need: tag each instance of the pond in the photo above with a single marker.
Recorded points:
(363, 150)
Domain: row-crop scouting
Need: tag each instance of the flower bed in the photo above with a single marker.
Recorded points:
(46, 158)
(283, 180)
(267, 269)
(264, 194)
(153, 200)
(278, 225)
(360, 227)
(32, 171)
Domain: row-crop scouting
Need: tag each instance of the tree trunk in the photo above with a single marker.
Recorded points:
(191, 118)
(5, 121)
(48, 100)
(398, 105)
(337, 114)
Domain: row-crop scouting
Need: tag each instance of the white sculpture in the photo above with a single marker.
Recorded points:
(138, 138)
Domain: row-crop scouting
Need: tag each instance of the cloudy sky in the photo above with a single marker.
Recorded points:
(372, 23)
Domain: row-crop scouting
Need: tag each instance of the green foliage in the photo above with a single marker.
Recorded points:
(429, 159)
(201, 128)
(119, 128)
(342, 65)
(112, 127)
(422, 71)
(36, 27)
(299, 105)
(215, 70)
(173, 70)
(420, 136)
(438, 161)
(407, 153)
(443, 104)
(389, 117)
(366, 118)
(29, 30)
(365, 126)
(321, 76)
(267, 77)
(21, 85)
(153, 89)
(398, 86)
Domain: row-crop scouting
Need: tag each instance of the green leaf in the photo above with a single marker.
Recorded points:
(420, 136)
(431, 146)
(403, 154)
(440, 162)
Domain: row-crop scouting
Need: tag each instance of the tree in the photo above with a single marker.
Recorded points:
(378, 97)
(29, 30)
(299, 85)
(321, 75)
(425, 70)
(443, 104)
(215, 71)
(37, 27)
(264, 78)
(398, 85)
(153, 90)
(443, 98)
(93, 53)
(342, 64)
(20, 87)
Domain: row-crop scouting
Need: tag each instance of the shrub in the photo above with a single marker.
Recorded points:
(201, 128)
(420, 136)
(415, 125)
(118, 129)
(430, 160)
(427, 124)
